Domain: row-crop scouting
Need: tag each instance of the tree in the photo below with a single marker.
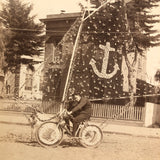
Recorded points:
(1, 58)
(140, 23)
(2, 47)
(5, 35)
(26, 36)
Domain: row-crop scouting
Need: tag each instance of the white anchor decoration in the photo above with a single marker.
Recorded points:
(103, 73)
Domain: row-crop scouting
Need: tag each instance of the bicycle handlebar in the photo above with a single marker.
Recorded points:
(64, 113)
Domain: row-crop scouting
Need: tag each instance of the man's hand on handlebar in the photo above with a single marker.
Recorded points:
(69, 113)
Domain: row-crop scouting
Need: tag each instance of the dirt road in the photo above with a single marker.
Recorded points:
(15, 144)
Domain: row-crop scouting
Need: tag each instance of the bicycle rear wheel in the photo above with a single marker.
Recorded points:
(49, 134)
(91, 136)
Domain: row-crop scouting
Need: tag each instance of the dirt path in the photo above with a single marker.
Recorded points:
(15, 145)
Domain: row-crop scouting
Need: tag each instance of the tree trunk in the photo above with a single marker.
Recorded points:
(132, 84)
(1, 86)
(1, 76)
(2, 48)
(17, 81)
(131, 77)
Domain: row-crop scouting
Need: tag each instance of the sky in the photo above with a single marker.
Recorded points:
(44, 7)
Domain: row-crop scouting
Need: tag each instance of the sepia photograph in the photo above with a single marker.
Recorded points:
(80, 79)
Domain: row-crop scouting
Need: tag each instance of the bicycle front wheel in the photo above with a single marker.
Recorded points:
(49, 134)
(91, 136)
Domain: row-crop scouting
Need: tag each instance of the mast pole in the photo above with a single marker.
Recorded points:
(71, 61)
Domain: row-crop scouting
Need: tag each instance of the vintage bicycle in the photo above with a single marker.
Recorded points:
(51, 131)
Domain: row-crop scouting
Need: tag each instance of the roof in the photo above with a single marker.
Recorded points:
(61, 16)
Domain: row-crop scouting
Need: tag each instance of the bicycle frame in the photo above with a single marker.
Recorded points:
(65, 126)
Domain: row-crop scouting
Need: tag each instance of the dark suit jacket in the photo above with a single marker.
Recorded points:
(83, 107)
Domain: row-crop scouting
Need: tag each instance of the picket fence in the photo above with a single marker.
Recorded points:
(108, 111)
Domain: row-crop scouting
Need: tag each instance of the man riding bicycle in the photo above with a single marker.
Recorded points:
(81, 110)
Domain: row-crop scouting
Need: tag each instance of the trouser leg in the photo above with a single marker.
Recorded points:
(67, 120)
(77, 120)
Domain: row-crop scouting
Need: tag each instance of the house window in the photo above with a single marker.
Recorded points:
(29, 80)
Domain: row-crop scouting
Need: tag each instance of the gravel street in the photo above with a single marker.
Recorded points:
(15, 144)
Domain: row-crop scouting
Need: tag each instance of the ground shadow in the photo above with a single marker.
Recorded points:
(27, 140)
(70, 143)
(64, 144)
(29, 143)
